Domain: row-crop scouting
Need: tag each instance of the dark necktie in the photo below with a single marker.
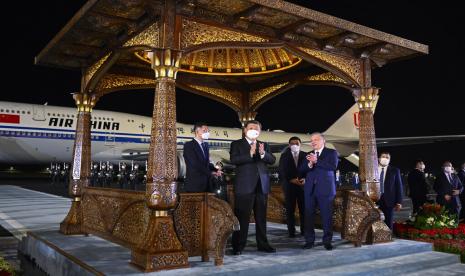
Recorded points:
(296, 158)
(205, 150)
(381, 181)
(317, 154)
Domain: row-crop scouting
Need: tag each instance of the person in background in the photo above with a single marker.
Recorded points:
(418, 187)
(448, 187)
(198, 167)
(391, 188)
(461, 175)
(293, 186)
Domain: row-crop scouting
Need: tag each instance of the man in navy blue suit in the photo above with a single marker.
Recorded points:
(391, 188)
(197, 157)
(449, 187)
(319, 189)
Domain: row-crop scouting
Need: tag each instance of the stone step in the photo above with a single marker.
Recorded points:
(453, 269)
(319, 258)
(391, 266)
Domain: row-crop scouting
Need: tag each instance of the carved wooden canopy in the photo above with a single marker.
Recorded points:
(239, 52)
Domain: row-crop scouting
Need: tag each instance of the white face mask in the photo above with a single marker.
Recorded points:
(448, 169)
(422, 167)
(384, 161)
(252, 134)
(205, 135)
(295, 148)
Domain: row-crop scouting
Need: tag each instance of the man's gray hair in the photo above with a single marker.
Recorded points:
(318, 133)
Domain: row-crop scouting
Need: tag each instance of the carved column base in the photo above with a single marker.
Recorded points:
(71, 225)
(160, 248)
(379, 233)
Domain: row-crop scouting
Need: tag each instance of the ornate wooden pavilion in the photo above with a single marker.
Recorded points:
(240, 53)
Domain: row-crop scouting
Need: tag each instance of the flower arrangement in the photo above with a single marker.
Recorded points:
(435, 225)
(433, 216)
(5, 268)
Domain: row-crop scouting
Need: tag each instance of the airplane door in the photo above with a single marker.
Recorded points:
(38, 113)
(110, 139)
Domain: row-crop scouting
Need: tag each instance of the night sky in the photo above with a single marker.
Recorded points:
(421, 96)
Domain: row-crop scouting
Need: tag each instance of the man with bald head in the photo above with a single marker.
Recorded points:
(319, 189)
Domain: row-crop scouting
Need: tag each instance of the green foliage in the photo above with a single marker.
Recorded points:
(433, 216)
(5, 268)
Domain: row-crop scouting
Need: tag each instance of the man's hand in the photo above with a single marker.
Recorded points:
(311, 157)
(295, 181)
(447, 197)
(455, 192)
(302, 181)
(398, 207)
(253, 148)
(261, 148)
(218, 173)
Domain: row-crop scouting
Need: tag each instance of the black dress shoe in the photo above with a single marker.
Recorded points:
(328, 246)
(308, 245)
(267, 249)
(237, 252)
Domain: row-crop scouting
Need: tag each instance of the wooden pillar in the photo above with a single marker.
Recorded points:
(160, 247)
(368, 164)
(81, 163)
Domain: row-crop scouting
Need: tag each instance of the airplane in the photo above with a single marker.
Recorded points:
(40, 134)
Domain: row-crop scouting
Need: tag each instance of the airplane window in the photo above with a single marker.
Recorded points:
(112, 119)
(7, 110)
(48, 114)
(53, 114)
(1, 110)
(72, 116)
(29, 112)
(18, 112)
(99, 118)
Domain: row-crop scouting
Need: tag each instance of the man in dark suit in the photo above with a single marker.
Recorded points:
(251, 187)
(292, 184)
(461, 175)
(197, 157)
(449, 187)
(418, 187)
(319, 189)
(391, 188)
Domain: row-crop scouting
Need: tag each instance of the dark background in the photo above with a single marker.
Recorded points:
(421, 96)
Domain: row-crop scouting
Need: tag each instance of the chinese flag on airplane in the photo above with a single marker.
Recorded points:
(9, 118)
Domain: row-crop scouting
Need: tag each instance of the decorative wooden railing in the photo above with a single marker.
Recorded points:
(203, 223)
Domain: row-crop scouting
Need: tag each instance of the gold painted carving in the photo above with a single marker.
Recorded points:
(148, 37)
(232, 97)
(195, 33)
(258, 95)
(328, 76)
(93, 69)
(351, 67)
(113, 81)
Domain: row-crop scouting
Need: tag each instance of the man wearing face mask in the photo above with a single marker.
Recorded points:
(448, 187)
(197, 157)
(461, 175)
(289, 163)
(251, 187)
(418, 187)
(319, 190)
(391, 188)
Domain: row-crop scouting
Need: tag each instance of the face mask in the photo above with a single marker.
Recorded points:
(422, 167)
(205, 135)
(448, 169)
(384, 161)
(252, 134)
(295, 148)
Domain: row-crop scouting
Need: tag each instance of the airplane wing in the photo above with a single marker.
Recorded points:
(398, 141)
